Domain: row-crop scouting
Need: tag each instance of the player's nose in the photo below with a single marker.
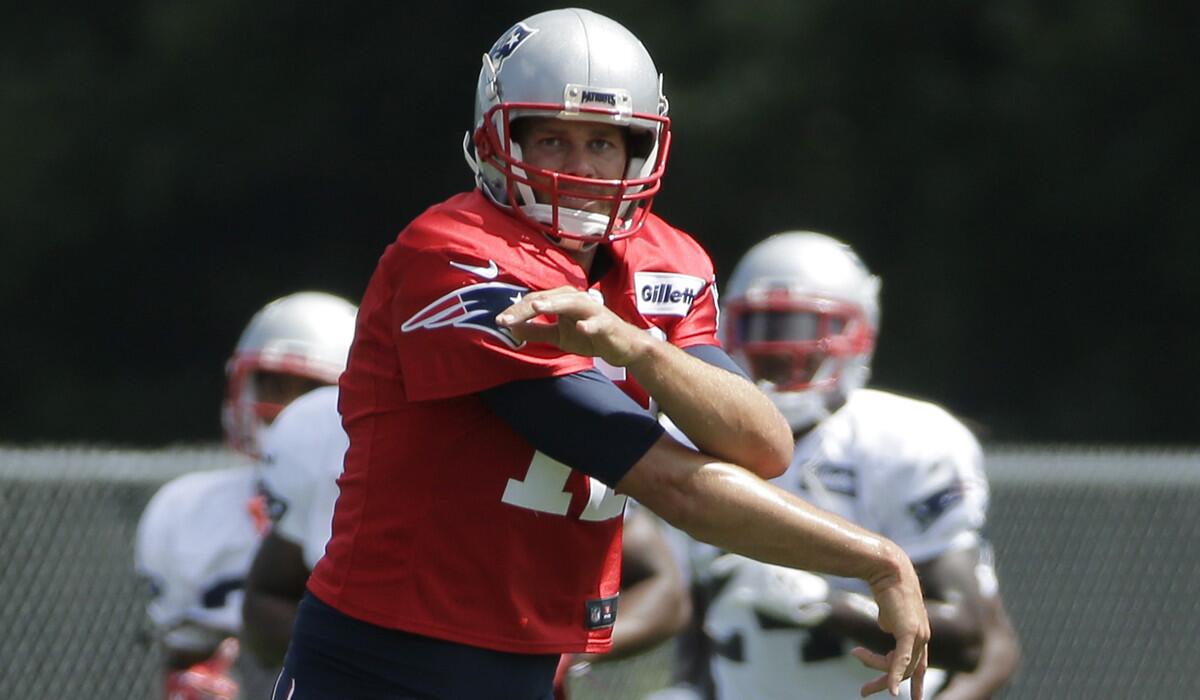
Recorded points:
(580, 162)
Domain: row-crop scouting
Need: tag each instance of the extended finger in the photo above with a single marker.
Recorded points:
(575, 305)
(901, 663)
(918, 677)
(534, 332)
(920, 653)
(870, 659)
(875, 686)
(523, 309)
(876, 661)
(519, 312)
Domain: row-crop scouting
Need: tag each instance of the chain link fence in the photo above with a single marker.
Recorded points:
(1098, 553)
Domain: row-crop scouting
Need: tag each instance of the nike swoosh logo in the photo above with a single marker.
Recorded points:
(488, 273)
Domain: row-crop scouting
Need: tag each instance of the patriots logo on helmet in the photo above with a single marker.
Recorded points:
(510, 42)
(474, 307)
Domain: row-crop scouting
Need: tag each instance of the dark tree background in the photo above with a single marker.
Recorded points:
(1023, 175)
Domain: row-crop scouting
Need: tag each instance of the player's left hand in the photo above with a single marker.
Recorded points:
(578, 324)
(883, 663)
(897, 591)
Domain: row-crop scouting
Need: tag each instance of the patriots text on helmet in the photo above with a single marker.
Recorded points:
(593, 97)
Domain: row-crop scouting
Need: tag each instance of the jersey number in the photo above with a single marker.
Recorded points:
(544, 489)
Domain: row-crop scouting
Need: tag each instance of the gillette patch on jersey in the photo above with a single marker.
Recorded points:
(601, 613)
(666, 293)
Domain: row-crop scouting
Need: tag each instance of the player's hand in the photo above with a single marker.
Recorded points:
(578, 324)
(901, 614)
(207, 680)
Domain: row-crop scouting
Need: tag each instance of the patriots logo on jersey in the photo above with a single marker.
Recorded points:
(474, 307)
(509, 43)
(926, 511)
(274, 506)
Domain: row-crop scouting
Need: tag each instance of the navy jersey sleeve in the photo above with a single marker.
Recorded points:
(582, 420)
(715, 356)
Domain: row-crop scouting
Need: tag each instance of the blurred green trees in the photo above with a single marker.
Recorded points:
(1021, 175)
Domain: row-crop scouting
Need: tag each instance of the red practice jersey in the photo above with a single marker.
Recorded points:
(449, 523)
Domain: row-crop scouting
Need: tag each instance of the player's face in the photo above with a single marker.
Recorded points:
(785, 368)
(582, 149)
(274, 390)
(799, 329)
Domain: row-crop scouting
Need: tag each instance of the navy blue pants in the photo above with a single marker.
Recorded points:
(333, 656)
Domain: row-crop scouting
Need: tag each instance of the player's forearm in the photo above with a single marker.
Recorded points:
(648, 615)
(729, 507)
(722, 413)
(998, 661)
(977, 685)
(992, 674)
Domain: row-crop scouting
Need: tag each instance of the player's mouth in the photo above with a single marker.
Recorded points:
(584, 203)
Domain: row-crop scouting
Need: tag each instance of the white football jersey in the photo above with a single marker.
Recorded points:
(195, 542)
(302, 459)
(904, 468)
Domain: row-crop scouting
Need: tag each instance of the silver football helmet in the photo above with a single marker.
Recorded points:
(305, 335)
(800, 314)
(570, 64)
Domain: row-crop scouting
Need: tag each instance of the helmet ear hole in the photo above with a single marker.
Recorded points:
(639, 144)
(519, 129)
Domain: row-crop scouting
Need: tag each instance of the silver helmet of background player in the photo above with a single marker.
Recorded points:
(307, 335)
(570, 64)
(801, 313)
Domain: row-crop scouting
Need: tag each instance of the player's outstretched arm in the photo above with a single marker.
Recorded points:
(729, 507)
(724, 414)
(999, 657)
(274, 587)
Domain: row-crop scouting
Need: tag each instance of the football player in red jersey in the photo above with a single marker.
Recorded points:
(512, 350)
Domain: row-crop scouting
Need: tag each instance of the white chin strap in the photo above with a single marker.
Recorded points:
(576, 221)
(802, 409)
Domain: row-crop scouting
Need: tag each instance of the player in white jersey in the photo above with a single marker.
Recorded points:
(198, 534)
(302, 459)
(900, 467)
(800, 314)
